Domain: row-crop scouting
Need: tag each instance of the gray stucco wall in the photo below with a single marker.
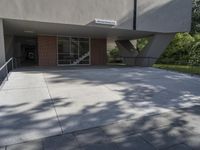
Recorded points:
(164, 15)
(2, 46)
(78, 12)
(9, 46)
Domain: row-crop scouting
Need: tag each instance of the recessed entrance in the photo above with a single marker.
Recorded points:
(73, 51)
(26, 51)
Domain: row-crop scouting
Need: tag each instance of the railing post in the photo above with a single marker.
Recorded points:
(135, 61)
(12, 64)
(6, 72)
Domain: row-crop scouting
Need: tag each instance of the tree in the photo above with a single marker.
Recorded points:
(195, 55)
(185, 48)
(114, 55)
(195, 51)
(178, 50)
(196, 17)
(141, 43)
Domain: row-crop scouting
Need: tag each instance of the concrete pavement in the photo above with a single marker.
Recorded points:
(168, 131)
(39, 103)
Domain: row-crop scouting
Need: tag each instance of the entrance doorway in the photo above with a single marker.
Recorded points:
(26, 51)
(28, 55)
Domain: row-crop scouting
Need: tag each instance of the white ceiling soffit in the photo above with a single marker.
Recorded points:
(31, 28)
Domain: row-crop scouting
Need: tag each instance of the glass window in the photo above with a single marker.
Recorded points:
(83, 46)
(63, 45)
(74, 47)
(73, 50)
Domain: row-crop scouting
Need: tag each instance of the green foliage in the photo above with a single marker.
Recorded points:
(195, 54)
(178, 50)
(141, 43)
(196, 17)
(114, 55)
(185, 48)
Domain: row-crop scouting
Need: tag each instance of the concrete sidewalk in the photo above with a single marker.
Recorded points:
(166, 131)
(38, 103)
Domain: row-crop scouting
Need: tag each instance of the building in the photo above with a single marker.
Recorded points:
(74, 32)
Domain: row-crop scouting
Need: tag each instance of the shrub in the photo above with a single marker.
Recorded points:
(195, 55)
(114, 55)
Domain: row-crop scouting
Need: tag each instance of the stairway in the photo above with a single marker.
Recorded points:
(77, 61)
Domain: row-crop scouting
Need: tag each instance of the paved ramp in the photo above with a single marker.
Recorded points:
(26, 109)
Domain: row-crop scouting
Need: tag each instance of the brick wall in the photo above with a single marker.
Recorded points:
(98, 51)
(47, 50)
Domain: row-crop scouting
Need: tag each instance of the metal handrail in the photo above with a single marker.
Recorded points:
(148, 59)
(6, 66)
(135, 59)
(130, 57)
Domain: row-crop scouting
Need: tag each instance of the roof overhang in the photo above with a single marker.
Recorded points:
(32, 28)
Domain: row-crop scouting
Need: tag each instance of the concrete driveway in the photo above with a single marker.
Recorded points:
(41, 102)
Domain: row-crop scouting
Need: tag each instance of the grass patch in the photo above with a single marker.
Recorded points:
(179, 68)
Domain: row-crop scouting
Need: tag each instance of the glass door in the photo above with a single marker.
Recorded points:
(74, 48)
(84, 50)
(64, 52)
(73, 51)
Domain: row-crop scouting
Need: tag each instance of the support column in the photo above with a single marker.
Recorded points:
(47, 50)
(127, 51)
(2, 46)
(156, 46)
(9, 46)
(98, 51)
